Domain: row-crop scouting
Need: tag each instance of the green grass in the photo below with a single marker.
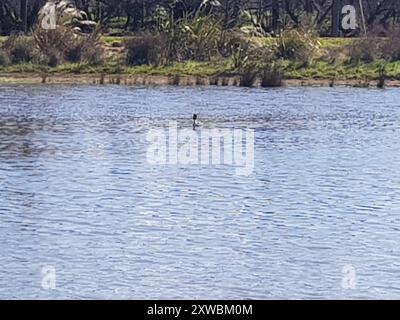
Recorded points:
(185, 68)
(190, 68)
(110, 39)
(325, 70)
(319, 69)
(327, 43)
(23, 67)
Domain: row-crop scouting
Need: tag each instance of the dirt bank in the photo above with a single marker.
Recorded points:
(123, 79)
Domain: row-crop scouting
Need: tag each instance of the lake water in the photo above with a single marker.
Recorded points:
(319, 216)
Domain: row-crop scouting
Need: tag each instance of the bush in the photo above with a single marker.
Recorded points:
(92, 48)
(248, 77)
(54, 40)
(85, 49)
(301, 45)
(93, 55)
(144, 49)
(61, 44)
(4, 59)
(199, 37)
(53, 59)
(272, 75)
(20, 49)
(390, 47)
(73, 54)
(380, 43)
(52, 44)
(366, 49)
(232, 41)
(246, 53)
(240, 56)
(196, 36)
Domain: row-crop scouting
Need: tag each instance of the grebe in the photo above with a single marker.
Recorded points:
(195, 124)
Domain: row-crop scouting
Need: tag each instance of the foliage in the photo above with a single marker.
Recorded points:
(4, 59)
(20, 49)
(301, 45)
(61, 44)
(145, 48)
(272, 75)
(366, 49)
(200, 37)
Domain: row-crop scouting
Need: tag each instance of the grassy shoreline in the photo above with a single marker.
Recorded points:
(320, 71)
(211, 72)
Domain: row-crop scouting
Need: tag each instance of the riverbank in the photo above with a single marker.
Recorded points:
(179, 80)
(333, 64)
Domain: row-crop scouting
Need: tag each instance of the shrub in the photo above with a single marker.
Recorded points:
(4, 59)
(300, 44)
(73, 53)
(390, 47)
(144, 49)
(52, 44)
(62, 45)
(20, 49)
(232, 40)
(272, 75)
(380, 43)
(244, 52)
(366, 49)
(199, 37)
(49, 41)
(93, 55)
(248, 77)
(240, 55)
(93, 50)
(250, 73)
(53, 59)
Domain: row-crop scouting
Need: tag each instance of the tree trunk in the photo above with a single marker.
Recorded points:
(276, 6)
(24, 15)
(336, 9)
(308, 7)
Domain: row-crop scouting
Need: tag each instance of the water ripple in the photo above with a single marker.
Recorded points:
(77, 193)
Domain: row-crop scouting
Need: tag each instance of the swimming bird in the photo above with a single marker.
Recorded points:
(195, 123)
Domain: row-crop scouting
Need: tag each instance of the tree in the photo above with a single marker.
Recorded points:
(336, 9)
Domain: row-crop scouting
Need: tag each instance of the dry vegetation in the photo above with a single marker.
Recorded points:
(199, 45)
